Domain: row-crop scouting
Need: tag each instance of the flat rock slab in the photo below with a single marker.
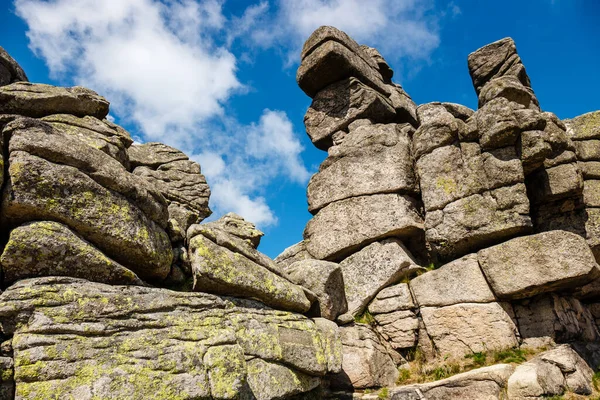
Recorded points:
(41, 190)
(344, 226)
(154, 154)
(39, 100)
(466, 328)
(460, 281)
(219, 270)
(392, 298)
(372, 159)
(85, 340)
(375, 267)
(290, 255)
(584, 127)
(543, 262)
(48, 248)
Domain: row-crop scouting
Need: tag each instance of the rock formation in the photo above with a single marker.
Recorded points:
(445, 242)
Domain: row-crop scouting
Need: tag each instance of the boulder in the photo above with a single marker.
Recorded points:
(584, 127)
(375, 267)
(78, 339)
(437, 128)
(406, 109)
(551, 373)
(460, 281)
(468, 328)
(494, 60)
(373, 159)
(50, 143)
(393, 298)
(219, 270)
(329, 56)
(555, 183)
(511, 89)
(498, 124)
(10, 70)
(290, 255)
(341, 103)
(591, 193)
(398, 328)
(7, 383)
(544, 262)
(487, 383)
(39, 100)
(51, 249)
(365, 362)
(325, 280)
(41, 190)
(477, 221)
(154, 154)
(271, 381)
(237, 226)
(344, 226)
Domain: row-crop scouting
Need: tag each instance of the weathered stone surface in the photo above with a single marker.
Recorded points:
(587, 150)
(366, 362)
(459, 111)
(398, 328)
(554, 317)
(406, 109)
(51, 249)
(555, 183)
(494, 60)
(39, 100)
(219, 270)
(40, 190)
(392, 298)
(511, 89)
(346, 225)
(551, 373)
(372, 159)
(81, 339)
(226, 367)
(437, 128)
(375, 267)
(477, 221)
(52, 144)
(7, 383)
(383, 67)
(154, 154)
(590, 169)
(331, 61)
(460, 281)
(271, 381)
(487, 383)
(497, 124)
(584, 127)
(469, 327)
(10, 70)
(98, 134)
(591, 193)
(341, 103)
(237, 226)
(543, 262)
(325, 280)
(454, 172)
(290, 255)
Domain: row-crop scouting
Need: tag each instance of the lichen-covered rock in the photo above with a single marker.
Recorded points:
(341, 103)
(543, 262)
(154, 154)
(271, 381)
(41, 190)
(584, 127)
(7, 383)
(102, 135)
(344, 226)
(52, 144)
(460, 281)
(10, 70)
(51, 249)
(219, 270)
(487, 383)
(325, 280)
(469, 327)
(372, 159)
(373, 268)
(77, 339)
(39, 100)
(366, 363)
(237, 226)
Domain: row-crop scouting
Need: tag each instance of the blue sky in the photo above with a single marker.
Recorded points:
(217, 78)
